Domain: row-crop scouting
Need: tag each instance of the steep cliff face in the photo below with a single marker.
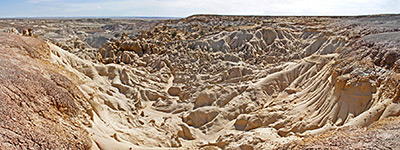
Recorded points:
(212, 82)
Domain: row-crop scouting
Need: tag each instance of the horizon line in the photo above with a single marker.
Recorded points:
(167, 17)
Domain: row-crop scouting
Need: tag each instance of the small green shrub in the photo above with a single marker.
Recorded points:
(174, 33)
(201, 32)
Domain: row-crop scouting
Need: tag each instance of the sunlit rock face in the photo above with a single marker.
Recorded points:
(201, 82)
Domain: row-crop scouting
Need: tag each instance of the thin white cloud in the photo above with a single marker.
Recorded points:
(39, 1)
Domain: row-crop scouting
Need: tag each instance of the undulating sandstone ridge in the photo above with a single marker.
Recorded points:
(202, 82)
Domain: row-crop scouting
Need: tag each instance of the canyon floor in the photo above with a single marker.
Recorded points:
(201, 82)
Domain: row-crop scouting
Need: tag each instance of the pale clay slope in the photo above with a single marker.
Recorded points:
(132, 106)
(112, 116)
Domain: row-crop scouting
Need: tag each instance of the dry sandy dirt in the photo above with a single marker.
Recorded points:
(201, 82)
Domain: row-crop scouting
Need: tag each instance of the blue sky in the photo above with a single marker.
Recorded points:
(183, 8)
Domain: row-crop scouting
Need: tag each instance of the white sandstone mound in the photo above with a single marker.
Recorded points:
(214, 85)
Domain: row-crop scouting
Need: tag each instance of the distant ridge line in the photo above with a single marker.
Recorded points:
(197, 15)
(96, 17)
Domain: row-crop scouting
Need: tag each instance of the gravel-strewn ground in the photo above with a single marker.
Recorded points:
(384, 134)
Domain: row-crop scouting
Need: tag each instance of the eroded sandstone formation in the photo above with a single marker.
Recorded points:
(210, 82)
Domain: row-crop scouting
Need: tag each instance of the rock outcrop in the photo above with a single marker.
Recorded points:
(205, 81)
(42, 108)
